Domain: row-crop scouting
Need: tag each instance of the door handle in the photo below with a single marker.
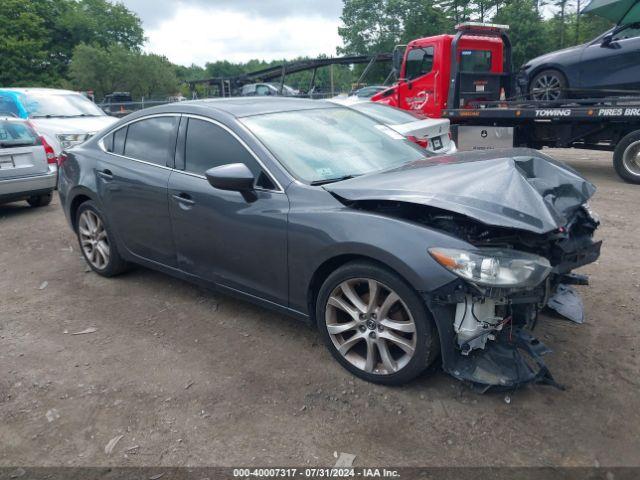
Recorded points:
(184, 198)
(106, 174)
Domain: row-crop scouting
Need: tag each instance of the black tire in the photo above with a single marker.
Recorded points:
(40, 200)
(555, 77)
(629, 145)
(427, 345)
(115, 264)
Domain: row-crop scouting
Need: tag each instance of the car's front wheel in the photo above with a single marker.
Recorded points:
(548, 85)
(96, 241)
(375, 324)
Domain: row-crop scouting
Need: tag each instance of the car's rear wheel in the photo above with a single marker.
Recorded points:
(375, 324)
(626, 158)
(96, 241)
(40, 200)
(548, 85)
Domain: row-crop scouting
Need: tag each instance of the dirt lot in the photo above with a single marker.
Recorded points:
(194, 378)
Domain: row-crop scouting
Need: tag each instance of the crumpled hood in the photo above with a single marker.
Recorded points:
(516, 188)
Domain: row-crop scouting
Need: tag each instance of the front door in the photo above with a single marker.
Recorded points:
(132, 178)
(236, 240)
(418, 91)
(613, 66)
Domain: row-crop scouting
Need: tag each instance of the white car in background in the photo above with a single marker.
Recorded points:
(431, 134)
(63, 117)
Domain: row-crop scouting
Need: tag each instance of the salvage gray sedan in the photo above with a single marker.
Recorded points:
(319, 212)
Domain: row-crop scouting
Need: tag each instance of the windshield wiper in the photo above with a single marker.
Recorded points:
(51, 116)
(332, 180)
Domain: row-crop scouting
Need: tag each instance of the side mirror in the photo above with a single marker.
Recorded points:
(607, 40)
(234, 177)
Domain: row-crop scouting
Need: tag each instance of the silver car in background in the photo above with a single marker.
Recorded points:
(28, 165)
(431, 134)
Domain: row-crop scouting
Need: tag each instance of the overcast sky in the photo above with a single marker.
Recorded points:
(200, 31)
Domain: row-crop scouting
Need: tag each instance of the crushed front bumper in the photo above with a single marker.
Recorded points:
(513, 357)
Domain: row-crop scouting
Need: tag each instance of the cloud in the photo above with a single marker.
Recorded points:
(153, 12)
(198, 35)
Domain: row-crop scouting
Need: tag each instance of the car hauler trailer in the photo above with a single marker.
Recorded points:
(466, 78)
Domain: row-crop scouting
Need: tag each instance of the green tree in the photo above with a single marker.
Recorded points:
(527, 32)
(23, 40)
(116, 68)
(38, 36)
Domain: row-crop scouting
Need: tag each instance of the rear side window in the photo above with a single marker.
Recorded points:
(475, 61)
(14, 134)
(208, 146)
(152, 140)
(419, 62)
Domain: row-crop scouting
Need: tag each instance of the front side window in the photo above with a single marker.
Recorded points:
(208, 146)
(329, 143)
(419, 62)
(152, 140)
(40, 105)
(475, 61)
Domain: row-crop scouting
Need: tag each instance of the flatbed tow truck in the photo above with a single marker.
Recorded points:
(468, 77)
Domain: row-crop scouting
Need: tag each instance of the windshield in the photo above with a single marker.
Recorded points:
(60, 105)
(385, 114)
(331, 143)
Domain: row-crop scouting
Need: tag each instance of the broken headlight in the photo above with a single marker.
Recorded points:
(494, 267)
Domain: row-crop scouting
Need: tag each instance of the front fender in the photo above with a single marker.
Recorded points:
(316, 236)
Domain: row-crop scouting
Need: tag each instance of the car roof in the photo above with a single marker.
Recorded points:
(50, 91)
(248, 106)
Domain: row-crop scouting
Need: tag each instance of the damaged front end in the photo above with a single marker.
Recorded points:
(528, 225)
(486, 317)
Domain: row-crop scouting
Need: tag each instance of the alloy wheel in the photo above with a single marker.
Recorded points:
(631, 158)
(546, 88)
(370, 326)
(93, 239)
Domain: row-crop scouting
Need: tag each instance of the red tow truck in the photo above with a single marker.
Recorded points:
(468, 78)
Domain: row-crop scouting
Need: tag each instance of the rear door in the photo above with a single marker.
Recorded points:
(132, 178)
(21, 153)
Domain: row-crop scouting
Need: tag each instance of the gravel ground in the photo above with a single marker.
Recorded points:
(189, 377)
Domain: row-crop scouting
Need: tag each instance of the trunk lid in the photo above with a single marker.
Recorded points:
(516, 188)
